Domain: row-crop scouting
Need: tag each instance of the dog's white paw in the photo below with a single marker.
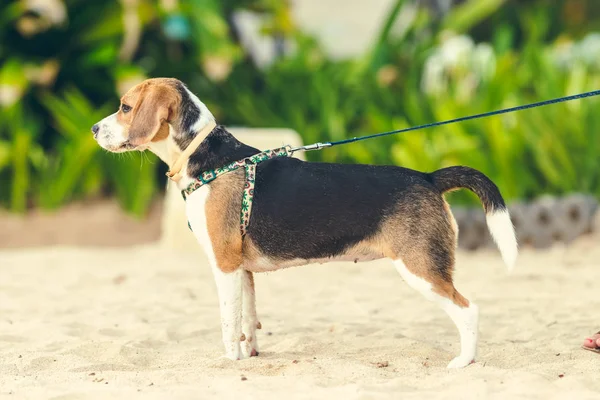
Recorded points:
(232, 351)
(249, 344)
(249, 347)
(460, 362)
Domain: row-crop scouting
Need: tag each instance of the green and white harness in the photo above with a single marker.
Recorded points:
(249, 165)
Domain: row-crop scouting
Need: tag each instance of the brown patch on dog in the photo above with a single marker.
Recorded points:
(422, 233)
(251, 252)
(154, 103)
(223, 207)
(454, 295)
(163, 132)
(370, 249)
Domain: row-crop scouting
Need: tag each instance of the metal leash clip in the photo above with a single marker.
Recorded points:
(314, 146)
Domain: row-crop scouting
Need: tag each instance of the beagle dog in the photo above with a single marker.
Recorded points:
(304, 212)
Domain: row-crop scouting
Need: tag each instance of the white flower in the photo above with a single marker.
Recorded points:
(483, 61)
(51, 10)
(460, 61)
(588, 50)
(9, 95)
(434, 79)
(456, 51)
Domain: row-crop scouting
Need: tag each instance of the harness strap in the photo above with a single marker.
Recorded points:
(249, 165)
(247, 197)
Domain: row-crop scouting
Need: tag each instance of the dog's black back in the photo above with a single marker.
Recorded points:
(329, 206)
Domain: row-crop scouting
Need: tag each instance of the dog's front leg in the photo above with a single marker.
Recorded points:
(229, 288)
(249, 318)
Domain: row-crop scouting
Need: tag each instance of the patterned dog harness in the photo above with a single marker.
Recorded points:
(249, 164)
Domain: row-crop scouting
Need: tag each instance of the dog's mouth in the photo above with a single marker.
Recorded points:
(120, 148)
(126, 146)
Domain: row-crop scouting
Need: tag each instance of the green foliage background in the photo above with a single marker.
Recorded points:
(58, 77)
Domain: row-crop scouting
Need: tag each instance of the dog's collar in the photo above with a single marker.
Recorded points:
(249, 164)
(174, 172)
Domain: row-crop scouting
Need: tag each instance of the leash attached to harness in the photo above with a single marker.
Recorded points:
(319, 146)
(249, 165)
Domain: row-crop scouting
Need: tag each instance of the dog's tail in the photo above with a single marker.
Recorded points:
(497, 217)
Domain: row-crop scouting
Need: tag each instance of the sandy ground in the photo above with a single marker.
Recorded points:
(143, 323)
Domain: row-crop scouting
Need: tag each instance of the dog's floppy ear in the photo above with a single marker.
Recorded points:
(153, 108)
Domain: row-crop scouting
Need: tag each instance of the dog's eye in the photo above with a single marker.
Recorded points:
(125, 108)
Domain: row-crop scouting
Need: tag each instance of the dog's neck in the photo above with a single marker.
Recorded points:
(218, 149)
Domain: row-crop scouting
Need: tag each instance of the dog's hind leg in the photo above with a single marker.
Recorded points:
(421, 239)
(463, 313)
(424, 257)
(249, 318)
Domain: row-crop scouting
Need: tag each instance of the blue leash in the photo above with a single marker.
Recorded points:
(319, 146)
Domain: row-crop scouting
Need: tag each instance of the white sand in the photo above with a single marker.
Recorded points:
(143, 323)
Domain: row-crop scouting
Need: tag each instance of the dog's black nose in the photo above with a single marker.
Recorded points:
(95, 130)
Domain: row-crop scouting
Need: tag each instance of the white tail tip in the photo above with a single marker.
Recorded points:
(503, 233)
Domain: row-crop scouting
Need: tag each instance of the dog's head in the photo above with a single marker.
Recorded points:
(143, 116)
